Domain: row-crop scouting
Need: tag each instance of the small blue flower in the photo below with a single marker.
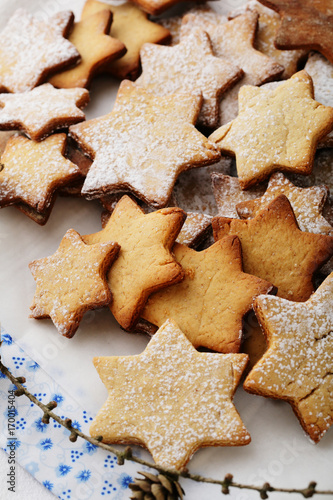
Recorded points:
(48, 485)
(90, 448)
(45, 444)
(76, 424)
(124, 480)
(6, 339)
(32, 467)
(32, 366)
(15, 442)
(63, 470)
(2, 375)
(58, 398)
(84, 475)
(40, 426)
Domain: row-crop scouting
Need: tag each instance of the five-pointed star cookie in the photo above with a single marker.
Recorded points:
(314, 21)
(210, 303)
(171, 399)
(143, 144)
(275, 130)
(189, 66)
(132, 26)
(298, 364)
(31, 49)
(234, 40)
(307, 204)
(145, 262)
(91, 37)
(72, 281)
(275, 249)
(41, 111)
(32, 171)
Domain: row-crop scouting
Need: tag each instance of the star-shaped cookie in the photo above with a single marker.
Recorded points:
(145, 262)
(41, 111)
(307, 204)
(143, 144)
(31, 49)
(210, 303)
(189, 66)
(171, 399)
(32, 171)
(298, 364)
(72, 281)
(314, 21)
(91, 37)
(275, 130)
(275, 249)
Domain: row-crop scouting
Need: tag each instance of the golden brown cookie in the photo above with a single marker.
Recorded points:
(170, 404)
(132, 26)
(275, 249)
(210, 303)
(143, 144)
(31, 49)
(41, 111)
(72, 281)
(145, 262)
(275, 130)
(91, 37)
(298, 364)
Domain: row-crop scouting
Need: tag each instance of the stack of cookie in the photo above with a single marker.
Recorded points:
(158, 271)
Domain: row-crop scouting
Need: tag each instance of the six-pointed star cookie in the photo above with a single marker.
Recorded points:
(275, 130)
(145, 262)
(307, 204)
(72, 281)
(91, 37)
(189, 66)
(275, 249)
(143, 144)
(32, 171)
(314, 21)
(210, 303)
(298, 365)
(171, 399)
(42, 110)
(30, 49)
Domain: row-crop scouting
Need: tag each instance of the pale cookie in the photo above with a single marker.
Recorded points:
(132, 26)
(143, 144)
(32, 171)
(275, 249)
(31, 49)
(171, 399)
(91, 37)
(72, 281)
(145, 262)
(275, 130)
(307, 204)
(209, 305)
(234, 40)
(189, 66)
(298, 364)
(4, 138)
(41, 111)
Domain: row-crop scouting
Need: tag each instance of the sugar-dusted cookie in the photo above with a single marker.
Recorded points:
(275, 249)
(275, 130)
(4, 138)
(314, 21)
(91, 37)
(72, 281)
(171, 399)
(132, 26)
(32, 171)
(31, 49)
(210, 303)
(189, 66)
(41, 111)
(298, 364)
(143, 144)
(195, 230)
(145, 262)
(307, 204)
(234, 40)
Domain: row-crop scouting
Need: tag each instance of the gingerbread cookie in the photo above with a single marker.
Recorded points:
(72, 281)
(198, 389)
(275, 249)
(31, 49)
(298, 366)
(275, 130)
